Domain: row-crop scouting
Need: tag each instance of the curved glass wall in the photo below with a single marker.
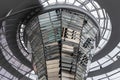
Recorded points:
(62, 43)
(105, 27)
(10, 67)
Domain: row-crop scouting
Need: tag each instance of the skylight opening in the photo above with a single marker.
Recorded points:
(114, 52)
(89, 78)
(45, 4)
(96, 4)
(107, 63)
(52, 2)
(70, 1)
(95, 14)
(94, 64)
(81, 1)
(102, 42)
(84, 8)
(90, 6)
(95, 68)
(102, 60)
(113, 72)
(101, 13)
(117, 75)
(99, 77)
(42, 1)
(107, 34)
(109, 24)
(77, 3)
(61, 1)
(102, 23)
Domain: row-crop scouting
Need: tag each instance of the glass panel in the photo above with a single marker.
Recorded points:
(77, 3)
(90, 6)
(51, 2)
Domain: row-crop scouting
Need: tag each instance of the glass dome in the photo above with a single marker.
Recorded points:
(100, 16)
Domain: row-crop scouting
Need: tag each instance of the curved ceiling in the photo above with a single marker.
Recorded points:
(111, 6)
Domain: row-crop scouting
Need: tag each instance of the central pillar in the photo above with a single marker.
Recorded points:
(63, 42)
